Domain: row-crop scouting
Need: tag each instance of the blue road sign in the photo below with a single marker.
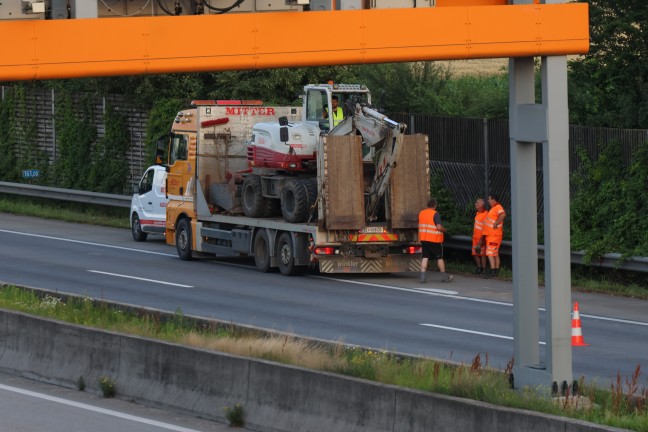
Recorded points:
(32, 173)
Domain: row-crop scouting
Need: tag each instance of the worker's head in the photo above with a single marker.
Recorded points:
(432, 203)
(334, 102)
(480, 204)
(493, 199)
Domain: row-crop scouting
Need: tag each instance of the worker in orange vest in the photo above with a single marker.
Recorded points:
(430, 232)
(493, 233)
(478, 243)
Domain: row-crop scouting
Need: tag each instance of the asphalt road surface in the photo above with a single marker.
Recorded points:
(448, 321)
(28, 406)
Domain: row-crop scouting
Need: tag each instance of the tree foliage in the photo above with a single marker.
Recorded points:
(607, 210)
(609, 85)
(74, 139)
(8, 165)
(109, 171)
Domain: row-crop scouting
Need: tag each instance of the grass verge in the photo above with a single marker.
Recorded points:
(478, 381)
(66, 211)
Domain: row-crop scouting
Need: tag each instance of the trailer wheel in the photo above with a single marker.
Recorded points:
(262, 251)
(183, 240)
(294, 201)
(286, 255)
(254, 204)
(136, 229)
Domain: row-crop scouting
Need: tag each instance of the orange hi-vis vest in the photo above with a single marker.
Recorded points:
(492, 216)
(478, 228)
(428, 230)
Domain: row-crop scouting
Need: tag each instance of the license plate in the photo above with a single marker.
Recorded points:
(372, 230)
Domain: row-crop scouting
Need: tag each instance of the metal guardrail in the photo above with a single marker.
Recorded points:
(609, 260)
(65, 194)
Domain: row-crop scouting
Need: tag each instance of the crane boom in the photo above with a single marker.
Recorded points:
(386, 137)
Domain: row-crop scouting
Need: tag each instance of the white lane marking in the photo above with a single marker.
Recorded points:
(140, 278)
(619, 320)
(87, 243)
(472, 332)
(436, 293)
(415, 290)
(439, 291)
(97, 409)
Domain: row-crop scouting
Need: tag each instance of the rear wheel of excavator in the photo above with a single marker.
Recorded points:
(311, 191)
(294, 200)
(252, 199)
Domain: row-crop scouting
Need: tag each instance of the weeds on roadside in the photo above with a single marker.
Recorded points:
(235, 415)
(107, 386)
(622, 405)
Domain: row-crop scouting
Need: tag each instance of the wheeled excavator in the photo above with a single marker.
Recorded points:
(283, 155)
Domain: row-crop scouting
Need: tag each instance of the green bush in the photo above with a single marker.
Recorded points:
(607, 208)
(74, 139)
(108, 386)
(109, 171)
(235, 415)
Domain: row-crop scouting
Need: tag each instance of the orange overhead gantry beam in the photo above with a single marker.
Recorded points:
(47, 49)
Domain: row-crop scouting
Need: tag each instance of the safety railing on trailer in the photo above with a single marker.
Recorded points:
(609, 260)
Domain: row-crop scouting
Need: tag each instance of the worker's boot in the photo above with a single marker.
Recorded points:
(445, 277)
(423, 277)
(478, 270)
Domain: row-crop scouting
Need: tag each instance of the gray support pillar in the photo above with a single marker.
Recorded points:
(556, 218)
(526, 129)
(84, 8)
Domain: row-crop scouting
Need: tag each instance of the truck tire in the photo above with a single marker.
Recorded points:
(136, 229)
(286, 255)
(262, 251)
(254, 203)
(183, 240)
(294, 200)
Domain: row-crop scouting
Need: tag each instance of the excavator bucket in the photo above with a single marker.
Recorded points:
(342, 182)
(410, 182)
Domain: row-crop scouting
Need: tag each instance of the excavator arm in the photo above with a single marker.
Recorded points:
(386, 137)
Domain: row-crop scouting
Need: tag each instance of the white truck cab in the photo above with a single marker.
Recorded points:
(148, 206)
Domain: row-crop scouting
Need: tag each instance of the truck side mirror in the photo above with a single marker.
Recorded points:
(160, 146)
(283, 134)
(283, 121)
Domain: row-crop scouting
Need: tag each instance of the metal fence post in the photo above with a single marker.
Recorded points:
(486, 161)
(53, 127)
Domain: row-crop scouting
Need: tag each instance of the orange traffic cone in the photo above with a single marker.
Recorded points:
(577, 331)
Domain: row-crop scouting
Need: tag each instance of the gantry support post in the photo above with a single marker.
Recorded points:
(545, 123)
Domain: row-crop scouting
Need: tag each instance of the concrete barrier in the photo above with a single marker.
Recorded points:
(277, 398)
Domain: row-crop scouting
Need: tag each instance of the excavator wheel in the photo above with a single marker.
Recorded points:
(311, 191)
(294, 200)
(253, 202)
